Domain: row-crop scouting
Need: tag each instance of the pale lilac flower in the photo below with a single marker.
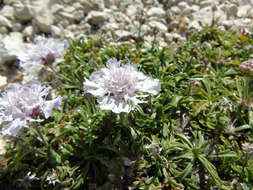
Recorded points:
(43, 51)
(119, 88)
(22, 104)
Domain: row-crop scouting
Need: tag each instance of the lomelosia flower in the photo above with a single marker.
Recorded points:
(43, 51)
(120, 87)
(22, 104)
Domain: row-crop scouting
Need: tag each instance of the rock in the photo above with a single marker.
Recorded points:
(206, 16)
(132, 10)
(5, 22)
(9, 2)
(156, 12)
(28, 31)
(9, 47)
(195, 25)
(55, 8)
(56, 31)
(122, 35)
(78, 15)
(43, 17)
(174, 10)
(158, 25)
(23, 10)
(207, 3)
(97, 4)
(17, 27)
(242, 23)
(3, 30)
(183, 5)
(70, 17)
(68, 34)
(8, 12)
(96, 17)
(245, 11)
(3, 81)
(230, 9)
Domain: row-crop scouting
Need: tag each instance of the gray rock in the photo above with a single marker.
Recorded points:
(69, 16)
(8, 12)
(230, 9)
(96, 17)
(56, 31)
(206, 15)
(43, 17)
(158, 25)
(245, 11)
(28, 31)
(156, 12)
(5, 22)
(79, 15)
(3, 30)
(122, 35)
(23, 10)
(9, 47)
(17, 27)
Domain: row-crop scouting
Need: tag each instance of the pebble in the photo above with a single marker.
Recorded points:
(10, 45)
(96, 17)
(120, 21)
(5, 22)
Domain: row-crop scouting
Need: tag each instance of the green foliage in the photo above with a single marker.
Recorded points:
(195, 134)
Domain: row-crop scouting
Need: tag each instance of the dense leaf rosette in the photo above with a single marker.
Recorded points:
(120, 87)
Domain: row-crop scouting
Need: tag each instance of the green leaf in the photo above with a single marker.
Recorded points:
(211, 170)
(54, 157)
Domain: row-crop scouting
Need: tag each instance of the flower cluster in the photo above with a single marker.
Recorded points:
(43, 51)
(22, 104)
(118, 87)
(247, 67)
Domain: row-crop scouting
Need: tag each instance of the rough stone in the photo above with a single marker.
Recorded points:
(28, 31)
(5, 22)
(17, 27)
(23, 10)
(96, 17)
(122, 35)
(9, 47)
(158, 25)
(8, 12)
(43, 17)
(156, 12)
(3, 30)
(56, 31)
(245, 11)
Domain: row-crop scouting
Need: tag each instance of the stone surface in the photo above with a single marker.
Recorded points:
(23, 10)
(5, 22)
(156, 12)
(8, 12)
(122, 21)
(96, 17)
(9, 46)
(43, 17)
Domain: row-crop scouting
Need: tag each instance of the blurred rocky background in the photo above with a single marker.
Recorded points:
(122, 21)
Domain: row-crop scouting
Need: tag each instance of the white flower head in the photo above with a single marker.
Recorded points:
(118, 87)
(43, 51)
(22, 104)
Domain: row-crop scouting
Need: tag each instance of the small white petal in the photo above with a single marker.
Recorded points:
(149, 85)
(13, 127)
(119, 87)
(50, 105)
